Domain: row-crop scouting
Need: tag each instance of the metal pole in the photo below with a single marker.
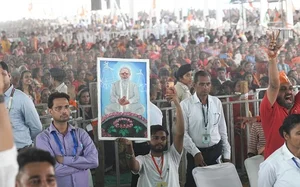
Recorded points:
(117, 163)
(231, 125)
(168, 127)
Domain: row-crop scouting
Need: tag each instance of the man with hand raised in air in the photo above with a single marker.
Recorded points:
(159, 168)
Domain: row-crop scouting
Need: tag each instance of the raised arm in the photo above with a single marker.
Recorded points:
(274, 83)
(133, 164)
(179, 132)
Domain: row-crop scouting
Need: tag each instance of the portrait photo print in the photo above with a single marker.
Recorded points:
(123, 95)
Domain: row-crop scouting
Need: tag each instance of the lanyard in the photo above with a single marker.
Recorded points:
(10, 99)
(205, 117)
(296, 163)
(161, 167)
(60, 145)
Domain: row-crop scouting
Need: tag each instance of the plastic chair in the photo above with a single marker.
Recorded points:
(219, 175)
(252, 168)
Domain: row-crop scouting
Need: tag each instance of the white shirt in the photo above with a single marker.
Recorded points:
(279, 170)
(149, 175)
(156, 117)
(182, 91)
(195, 128)
(8, 167)
(62, 88)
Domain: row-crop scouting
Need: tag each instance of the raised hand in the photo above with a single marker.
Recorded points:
(171, 95)
(124, 141)
(274, 46)
(246, 120)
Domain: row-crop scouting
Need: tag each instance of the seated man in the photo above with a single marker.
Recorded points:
(36, 168)
(125, 95)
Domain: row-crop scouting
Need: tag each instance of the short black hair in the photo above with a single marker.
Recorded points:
(4, 66)
(56, 95)
(81, 92)
(265, 79)
(35, 72)
(221, 69)
(290, 122)
(163, 72)
(155, 128)
(31, 155)
(58, 74)
(81, 87)
(201, 73)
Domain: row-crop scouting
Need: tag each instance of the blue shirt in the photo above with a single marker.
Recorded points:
(250, 58)
(24, 118)
(283, 67)
(73, 172)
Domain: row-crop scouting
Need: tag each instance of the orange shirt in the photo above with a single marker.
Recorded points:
(272, 118)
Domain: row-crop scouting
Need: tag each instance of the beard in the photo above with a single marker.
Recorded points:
(62, 119)
(157, 149)
(282, 101)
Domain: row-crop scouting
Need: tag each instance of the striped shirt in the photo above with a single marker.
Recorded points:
(257, 139)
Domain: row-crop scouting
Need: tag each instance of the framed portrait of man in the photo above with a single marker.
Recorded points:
(123, 95)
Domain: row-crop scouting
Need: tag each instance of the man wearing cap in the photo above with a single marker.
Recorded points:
(23, 115)
(278, 101)
(57, 80)
(184, 81)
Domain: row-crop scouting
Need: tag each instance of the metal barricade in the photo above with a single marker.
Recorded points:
(169, 116)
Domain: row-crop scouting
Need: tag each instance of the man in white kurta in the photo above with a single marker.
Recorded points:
(124, 96)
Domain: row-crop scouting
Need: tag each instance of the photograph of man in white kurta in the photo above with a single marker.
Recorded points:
(124, 96)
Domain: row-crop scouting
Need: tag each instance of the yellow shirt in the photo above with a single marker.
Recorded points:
(5, 46)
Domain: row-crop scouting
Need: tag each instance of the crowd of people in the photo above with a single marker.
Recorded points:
(202, 65)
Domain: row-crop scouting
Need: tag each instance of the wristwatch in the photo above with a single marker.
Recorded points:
(1, 98)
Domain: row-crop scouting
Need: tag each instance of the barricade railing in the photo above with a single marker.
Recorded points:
(230, 121)
(169, 118)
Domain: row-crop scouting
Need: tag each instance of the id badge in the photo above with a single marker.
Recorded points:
(162, 184)
(206, 138)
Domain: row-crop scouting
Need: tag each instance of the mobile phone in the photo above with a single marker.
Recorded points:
(170, 84)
